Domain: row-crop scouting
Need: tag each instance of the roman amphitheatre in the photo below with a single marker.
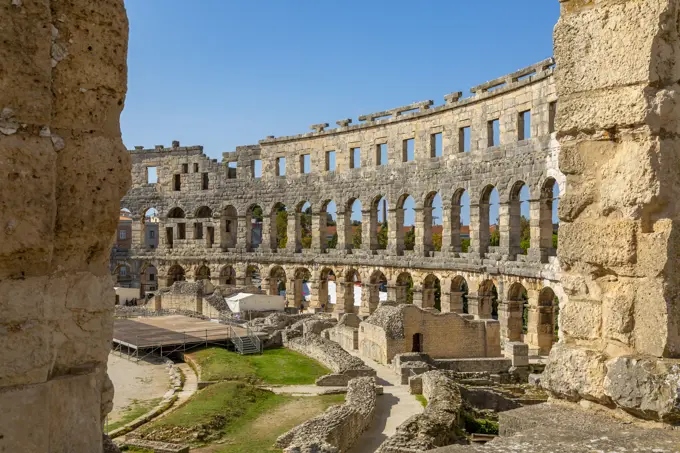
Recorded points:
(394, 283)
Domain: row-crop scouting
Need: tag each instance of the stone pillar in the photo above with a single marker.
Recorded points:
(417, 296)
(617, 124)
(266, 284)
(344, 229)
(455, 304)
(64, 166)
(137, 234)
(345, 297)
(450, 230)
(368, 291)
(479, 306)
(398, 226)
(293, 292)
(510, 319)
(392, 223)
(392, 292)
(368, 226)
(423, 233)
(294, 244)
(242, 233)
(509, 228)
(266, 244)
(479, 239)
(537, 251)
(428, 297)
(314, 300)
(319, 239)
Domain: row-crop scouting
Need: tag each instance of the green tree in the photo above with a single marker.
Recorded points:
(437, 241)
(554, 240)
(282, 228)
(525, 234)
(306, 228)
(410, 239)
(465, 245)
(495, 238)
(382, 236)
(257, 213)
(356, 236)
(333, 241)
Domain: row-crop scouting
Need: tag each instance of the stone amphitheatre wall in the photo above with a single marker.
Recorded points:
(206, 207)
(63, 80)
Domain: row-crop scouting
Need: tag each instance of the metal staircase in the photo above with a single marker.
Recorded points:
(246, 344)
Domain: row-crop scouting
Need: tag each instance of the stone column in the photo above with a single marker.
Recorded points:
(479, 306)
(450, 230)
(267, 243)
(455, 304)
(368, 226)
(417, 296)
(242, 233)
(392, 222)
(540, 325)
(428, 297)
(538, 251)
(510, 319)
(345, 297)
(399, 230)
(344, 229)
(64, 166)
(392, 292)
(423, 233)
(617, 124)
(314, 299)
(367, 291)
(267, 286)
(479, 236)
(293, 292)
(293, 245)
(509, 226)
(319, 239)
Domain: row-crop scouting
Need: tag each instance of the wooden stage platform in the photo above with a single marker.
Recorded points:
(167, 331)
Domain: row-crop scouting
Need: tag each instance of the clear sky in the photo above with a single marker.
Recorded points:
(222, 73)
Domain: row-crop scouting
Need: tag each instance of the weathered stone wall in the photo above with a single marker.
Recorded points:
(329, 354)
(390, 330)
(339, 427)
(618, 128)
(64, 169)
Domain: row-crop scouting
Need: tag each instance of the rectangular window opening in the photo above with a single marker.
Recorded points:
(198, 230)
(211, 235)
(185, 168)
(205, 181)
(152, 234)
(195, 168)
(231, 170)
(330, 160)
(381, 154)
(257, 168)
(552, 112)
(181, 231)
(524, 125)
(436, 145)
(408, 150)
(280, 166)
(355, 158)
(123, 234)
(151, 175)
(305, 164)
(152, 277)
(464, 139)
(177, 183)
(493, 131)
(169, 236)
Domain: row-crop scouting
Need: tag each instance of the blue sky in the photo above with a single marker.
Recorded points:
(222, 73)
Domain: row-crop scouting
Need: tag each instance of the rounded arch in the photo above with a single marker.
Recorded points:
(202, 273)
(376, 291)
(513, 314)
(379, 223)
(328, 233)
(541, 329)
(176, 213)
(519, 219)
(404, 288)
(148, 276)
(405, 224)
(458, 295)
(301, 290)
(279, 226)
(252, 276)
(487, 300)
(228, 227)
(489, 234)
(150, 228)
(432, 291)
(277, 281)
(327, 289)
(547, 216)
(204, 212)
(432, 222)
(460, 221)
(175, 274)
(227, 275)
(353, 224)
(254, 216)
(303, 226)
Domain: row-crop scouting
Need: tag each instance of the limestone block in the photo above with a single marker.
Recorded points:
(518, 353)
(609, 244)
(645, 387)
(581, 319)
(24, 424)
(27, 352)
(574, 373)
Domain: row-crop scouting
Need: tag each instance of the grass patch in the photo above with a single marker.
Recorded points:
(135, 410)
(479, 425)
(422, 400)
(274, 366)
(244, 418)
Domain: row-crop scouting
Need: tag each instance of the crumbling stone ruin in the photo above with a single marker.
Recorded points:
(63, 79)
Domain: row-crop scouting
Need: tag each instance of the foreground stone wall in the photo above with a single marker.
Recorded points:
(329, 354)
(619, 243)
(339, 427)
(64, 169)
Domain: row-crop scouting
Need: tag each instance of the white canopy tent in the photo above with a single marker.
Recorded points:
(243, 302)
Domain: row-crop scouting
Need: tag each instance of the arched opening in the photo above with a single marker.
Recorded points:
(432, 292)
(328, 225)
(458, 297)
(203, 212)
(279, 227)
(489, 235)
(204, 215)
(202, 273)
(302, 294)
(518, 219)
(352, 290)
(277, 281)
(327, 289)
(253, 277)
(405, 227)
(303, 226)
(417, 342)
(176, 213)
(353, 217)
(227, 275)
(253, 221)
(548, 220)
(460, 221)
(148, 278)
(175, 228)
(432, 223)
(404, 288)
(229, 227)
(175, 274)
(379, 228)
(541, 322)
(150, 225)
(376, 291)
(123, 276)
(511, 313)
(487, 301)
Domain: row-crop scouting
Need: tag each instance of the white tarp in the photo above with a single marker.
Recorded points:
(382, 295)
(242, 302)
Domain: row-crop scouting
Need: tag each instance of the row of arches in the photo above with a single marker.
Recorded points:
(425, 226)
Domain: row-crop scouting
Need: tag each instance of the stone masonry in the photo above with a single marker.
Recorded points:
(63, 80)
(207, 209)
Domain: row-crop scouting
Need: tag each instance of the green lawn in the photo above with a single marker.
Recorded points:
(244, 418)
(274, 366)
(422, 400)
(133, 411)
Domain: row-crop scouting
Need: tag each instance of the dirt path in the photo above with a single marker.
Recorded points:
(300, 390)
(135, 381)
(392, 409)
